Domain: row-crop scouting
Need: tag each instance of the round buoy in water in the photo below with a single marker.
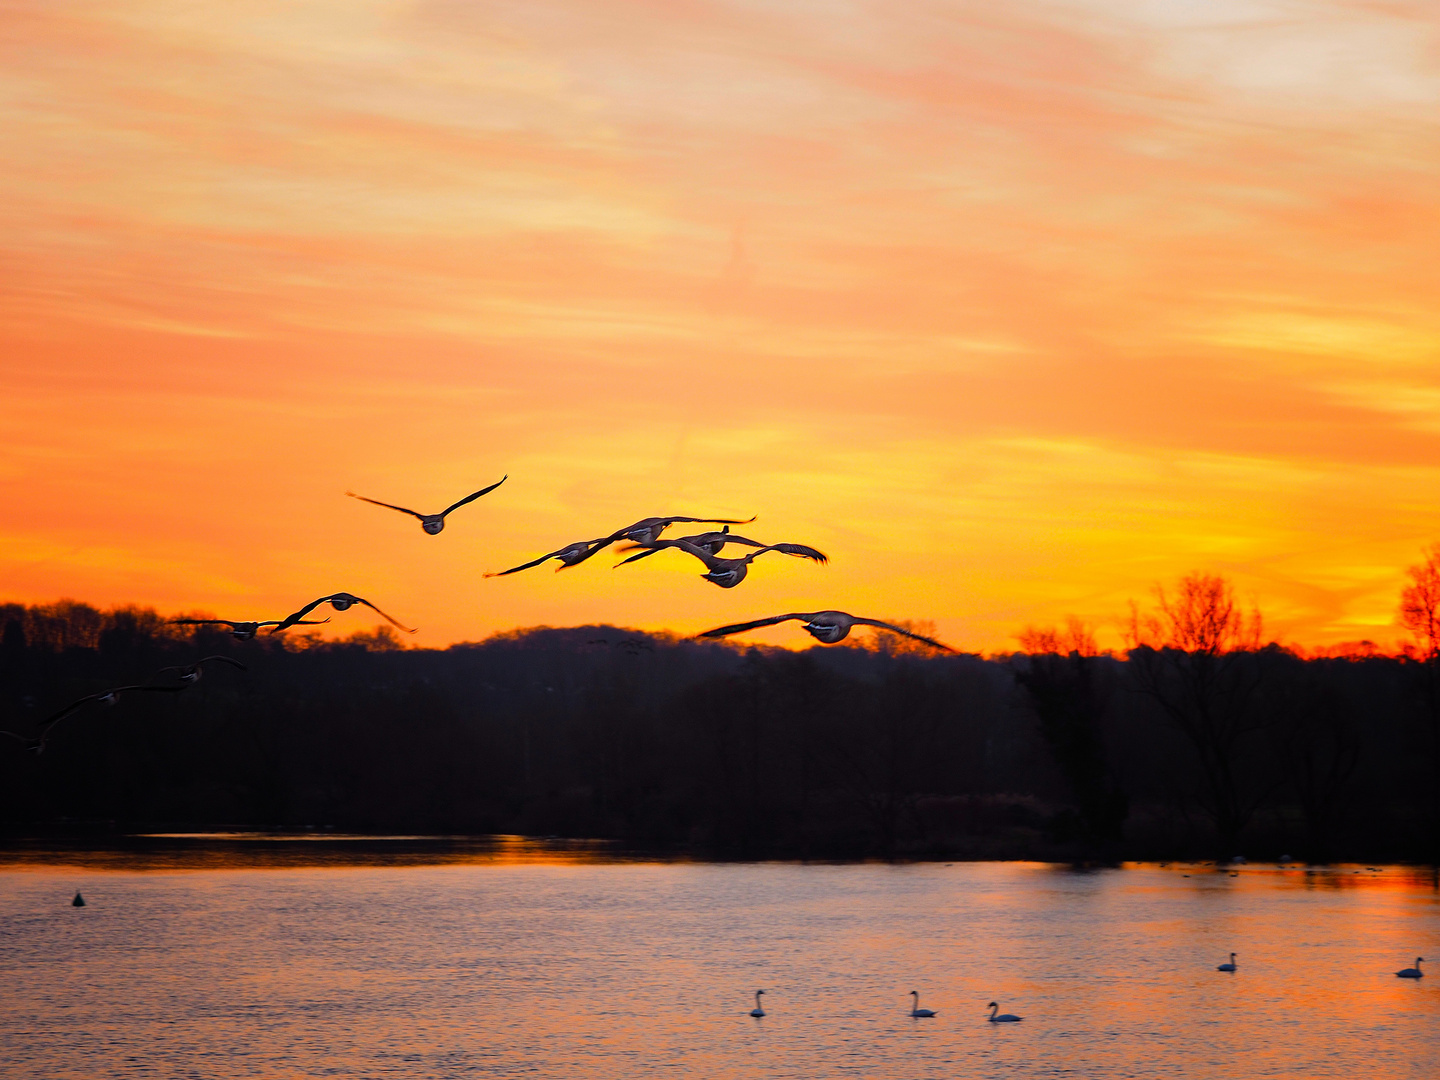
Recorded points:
(79, 900)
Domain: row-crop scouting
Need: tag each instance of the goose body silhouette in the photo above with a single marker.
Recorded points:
(1230, 966)
(340, 601)
(1003, 1018)
(915, 1009)
(757, 1011)
(433, 523)
(1412, 973)
(826, 627)
(245, 631)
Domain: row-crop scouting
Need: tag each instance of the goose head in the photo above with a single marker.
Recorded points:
(432, 523)
(244, 631)
(342, 602)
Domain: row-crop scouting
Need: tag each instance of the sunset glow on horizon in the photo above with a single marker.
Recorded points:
(1014, 312)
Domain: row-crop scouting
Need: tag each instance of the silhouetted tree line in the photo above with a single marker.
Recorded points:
(1200, 742)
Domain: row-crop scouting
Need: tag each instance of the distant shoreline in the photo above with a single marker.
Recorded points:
(260, 849)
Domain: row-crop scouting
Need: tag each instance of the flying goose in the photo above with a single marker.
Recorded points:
(727, 573)
(244, 631)
(104, 697)
(433, 523)
(339, 601)
(827, 627)
(570, 555)
(190, 673)
(713, 542)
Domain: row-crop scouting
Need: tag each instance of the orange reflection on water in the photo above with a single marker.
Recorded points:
(524, 957)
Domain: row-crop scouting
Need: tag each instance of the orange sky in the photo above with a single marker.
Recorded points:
(1013, 309)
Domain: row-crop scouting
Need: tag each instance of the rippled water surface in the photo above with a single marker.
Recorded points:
(568, 967)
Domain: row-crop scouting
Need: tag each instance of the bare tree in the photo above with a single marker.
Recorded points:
(1420, 605)
(1420, 615)
(1196, 656)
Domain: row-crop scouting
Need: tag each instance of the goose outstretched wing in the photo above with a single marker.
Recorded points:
(50, 721)
(740, 628)
(472, 498)
(203, 660)
(595, 546)
(33, 745)
(294, 618)
(643, 553)
(388, 506)
(387, 618)
(666, 522)
(705, 521)
(804, 551)
(901, 630)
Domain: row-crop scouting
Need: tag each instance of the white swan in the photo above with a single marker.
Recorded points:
(1003, 1018)
(1413, 973)
(757, 1011)
(915, 1009)
(1230, 966)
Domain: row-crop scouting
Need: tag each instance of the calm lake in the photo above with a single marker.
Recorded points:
(531, 962)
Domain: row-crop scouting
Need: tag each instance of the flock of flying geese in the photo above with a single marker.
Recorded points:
(638, 541)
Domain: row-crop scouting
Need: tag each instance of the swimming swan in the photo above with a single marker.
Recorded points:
(1230, 966)
(1413, 973)
(757, 1011)
(1003, 1018)
(915, 1009)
